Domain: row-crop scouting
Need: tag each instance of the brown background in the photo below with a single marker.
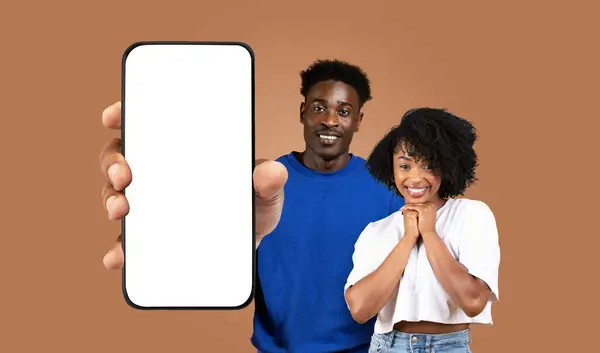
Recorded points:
(526, 74)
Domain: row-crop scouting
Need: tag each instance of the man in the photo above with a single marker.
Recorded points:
(330, 198)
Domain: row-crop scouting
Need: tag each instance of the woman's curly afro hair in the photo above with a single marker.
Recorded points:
(433, 135)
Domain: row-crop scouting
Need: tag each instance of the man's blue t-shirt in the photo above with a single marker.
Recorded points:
(304, 263)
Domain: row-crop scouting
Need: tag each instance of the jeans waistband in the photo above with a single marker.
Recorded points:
(422, 341)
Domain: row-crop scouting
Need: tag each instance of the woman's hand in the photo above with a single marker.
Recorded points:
(426, 216)
(411, 224)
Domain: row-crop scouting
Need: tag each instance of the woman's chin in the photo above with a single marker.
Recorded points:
(415, 200)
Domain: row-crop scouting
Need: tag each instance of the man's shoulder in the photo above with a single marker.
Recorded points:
(362, 172)
(374, 189)
(283, 157)
(360, 168)
(359, 158)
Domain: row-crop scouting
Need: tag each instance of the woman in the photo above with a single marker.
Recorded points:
(429, 270)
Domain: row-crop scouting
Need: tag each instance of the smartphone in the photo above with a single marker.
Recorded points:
(188, 136)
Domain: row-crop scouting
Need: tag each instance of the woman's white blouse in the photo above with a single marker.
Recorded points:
(468, 228)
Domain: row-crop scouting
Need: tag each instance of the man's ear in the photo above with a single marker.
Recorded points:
(358, 121)
(302, 112)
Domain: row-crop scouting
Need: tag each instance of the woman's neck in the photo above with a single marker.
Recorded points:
(438, 202)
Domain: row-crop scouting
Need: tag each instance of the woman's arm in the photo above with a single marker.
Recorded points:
(366, 298)
(471, 294)
(473, 279)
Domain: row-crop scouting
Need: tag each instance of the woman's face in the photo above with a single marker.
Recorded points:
(415, 180)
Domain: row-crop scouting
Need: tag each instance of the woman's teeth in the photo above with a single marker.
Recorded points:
(416, 192)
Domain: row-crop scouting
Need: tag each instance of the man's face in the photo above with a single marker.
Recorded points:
(330, 115)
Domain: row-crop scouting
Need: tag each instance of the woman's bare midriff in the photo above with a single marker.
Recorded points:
(427, 327)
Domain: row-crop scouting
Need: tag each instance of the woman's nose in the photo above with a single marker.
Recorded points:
(415, 174)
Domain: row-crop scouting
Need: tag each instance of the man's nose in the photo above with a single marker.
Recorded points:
(330, 120)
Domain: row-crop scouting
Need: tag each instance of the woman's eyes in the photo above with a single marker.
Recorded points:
(427, 167)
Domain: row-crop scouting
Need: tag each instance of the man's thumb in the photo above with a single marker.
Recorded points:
(269, 178)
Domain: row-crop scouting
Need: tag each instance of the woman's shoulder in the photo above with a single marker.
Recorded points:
(393, 222)
(474, 214)
(470, 206)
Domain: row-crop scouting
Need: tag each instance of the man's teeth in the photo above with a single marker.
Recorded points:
(327, 137)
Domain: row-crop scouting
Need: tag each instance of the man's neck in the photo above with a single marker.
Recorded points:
(316, 163)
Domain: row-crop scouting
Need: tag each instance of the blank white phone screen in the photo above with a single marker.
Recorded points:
(187, 135)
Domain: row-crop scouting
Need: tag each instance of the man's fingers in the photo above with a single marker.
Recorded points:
(114, 166)
(117, 171)
(113, 260)
(111, 116)
(114, 202)
(269, 179)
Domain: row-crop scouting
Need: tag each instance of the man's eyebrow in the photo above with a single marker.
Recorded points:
(324, 101)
